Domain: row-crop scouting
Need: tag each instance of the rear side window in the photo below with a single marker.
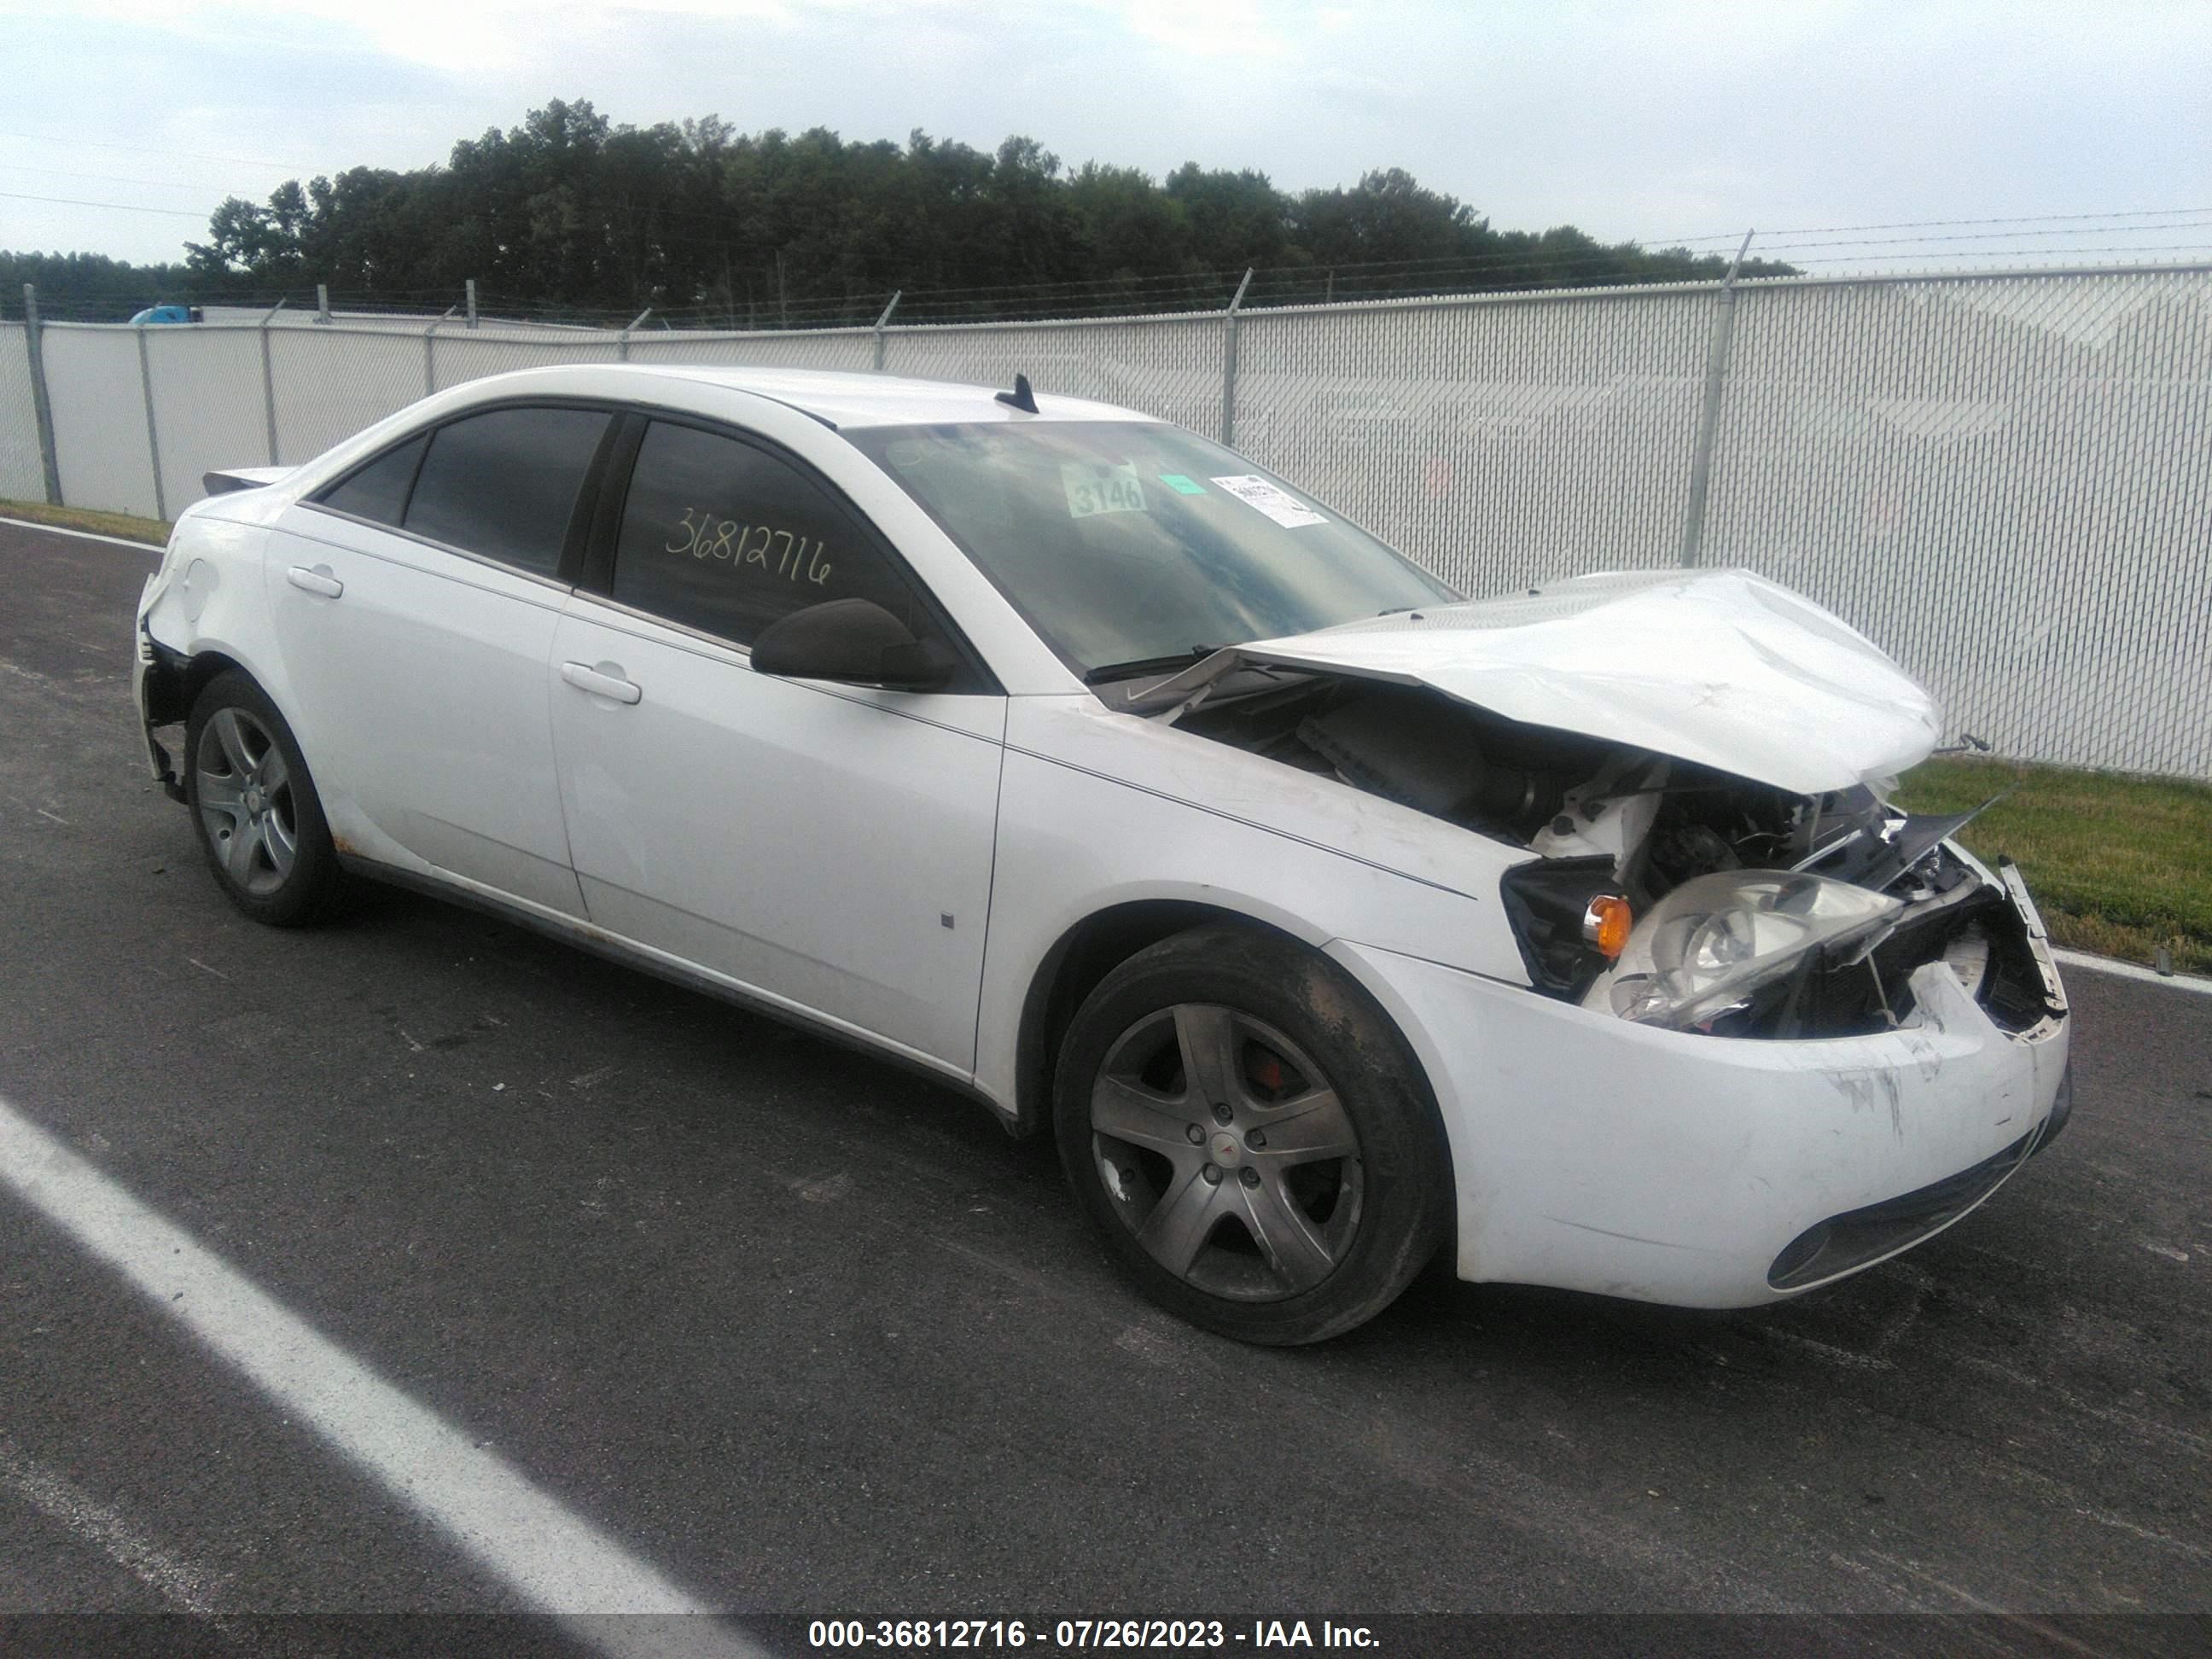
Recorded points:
(378, 492)
(502, 483)
(725, 537)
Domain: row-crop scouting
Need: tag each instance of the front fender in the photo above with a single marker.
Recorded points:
(1074, 842)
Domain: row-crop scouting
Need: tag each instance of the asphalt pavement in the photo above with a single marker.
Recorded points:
(811, 1337)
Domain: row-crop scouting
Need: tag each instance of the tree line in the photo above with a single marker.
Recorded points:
(568, 213)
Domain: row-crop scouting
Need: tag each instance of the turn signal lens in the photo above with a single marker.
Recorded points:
(1605, 925)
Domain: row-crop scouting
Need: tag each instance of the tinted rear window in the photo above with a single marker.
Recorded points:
(502, 483)
(378, 492)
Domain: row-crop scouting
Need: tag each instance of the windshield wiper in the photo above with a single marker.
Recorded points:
(1136, 665)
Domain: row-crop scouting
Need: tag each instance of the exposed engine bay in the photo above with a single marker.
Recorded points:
(1756, 913)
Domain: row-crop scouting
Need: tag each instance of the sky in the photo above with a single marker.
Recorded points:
(1660, 120)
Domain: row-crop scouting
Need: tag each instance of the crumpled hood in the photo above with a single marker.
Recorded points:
(1721, 667)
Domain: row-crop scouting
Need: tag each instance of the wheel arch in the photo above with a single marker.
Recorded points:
(1329, 1014)
(174, 680)
(1092, 947)
(200, 670)
(196, 668)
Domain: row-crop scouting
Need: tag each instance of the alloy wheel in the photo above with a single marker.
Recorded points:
(246, 806)
(1226, 1152)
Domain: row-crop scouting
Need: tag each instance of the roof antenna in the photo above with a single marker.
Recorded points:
(1021, 397)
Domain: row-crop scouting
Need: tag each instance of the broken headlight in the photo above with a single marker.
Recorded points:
(1706, 947)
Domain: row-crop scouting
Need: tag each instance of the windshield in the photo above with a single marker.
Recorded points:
(1131, 543)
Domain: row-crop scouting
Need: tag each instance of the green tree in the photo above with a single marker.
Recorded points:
(568, 210)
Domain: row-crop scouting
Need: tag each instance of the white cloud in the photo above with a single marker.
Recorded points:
(1209, 29)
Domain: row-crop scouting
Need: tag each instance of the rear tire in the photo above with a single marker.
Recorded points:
(1252, 1137)
(254, 807)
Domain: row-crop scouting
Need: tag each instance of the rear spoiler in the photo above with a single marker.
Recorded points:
(221, 482)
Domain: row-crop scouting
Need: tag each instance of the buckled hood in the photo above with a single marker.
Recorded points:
(1720, 667)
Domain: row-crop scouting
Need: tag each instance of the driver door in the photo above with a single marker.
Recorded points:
(826, 847)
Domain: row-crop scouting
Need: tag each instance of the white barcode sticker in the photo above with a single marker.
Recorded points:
(1272, 498)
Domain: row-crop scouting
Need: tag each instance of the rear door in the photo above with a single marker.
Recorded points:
(825, 847)
(415, 603)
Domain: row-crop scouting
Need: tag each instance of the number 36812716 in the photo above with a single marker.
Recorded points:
(704, 537)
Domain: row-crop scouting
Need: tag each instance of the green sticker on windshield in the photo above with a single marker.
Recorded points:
(1180, 485)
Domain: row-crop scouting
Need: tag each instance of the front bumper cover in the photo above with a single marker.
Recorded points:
(1600, 1155)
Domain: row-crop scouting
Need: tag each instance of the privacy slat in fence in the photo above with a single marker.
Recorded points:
(331, 382)
(1164, 366)
(2002, 481)
(461, 354)
(22, 478)
(208, 410)
(1495, 443)
(826, 349)
(99, 402)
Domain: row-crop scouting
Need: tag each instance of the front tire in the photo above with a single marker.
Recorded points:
(1252, 1137)
(254, 807)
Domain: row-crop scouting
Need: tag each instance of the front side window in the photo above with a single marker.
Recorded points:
(1127, 543)
(502, 483)
(725, 537)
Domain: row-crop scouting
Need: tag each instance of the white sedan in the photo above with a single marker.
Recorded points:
(1327, 919)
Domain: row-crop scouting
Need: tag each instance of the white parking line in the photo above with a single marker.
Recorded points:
(554, 1560)
(2120, 970)
(84, 535)
(185, 1586)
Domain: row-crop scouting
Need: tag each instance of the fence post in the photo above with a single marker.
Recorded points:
(622, 352)
(880, 322)
(322, 303)
(472, 302)
(153, 439)
(429, 353)
(1701, 458)
(1229, 364)
(42, 411)
(269, 380)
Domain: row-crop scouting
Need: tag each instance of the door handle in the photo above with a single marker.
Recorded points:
(317, 581)
(585, 679)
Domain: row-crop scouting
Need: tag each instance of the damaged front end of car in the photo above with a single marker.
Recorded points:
(1775, 1027)
(1699, 764)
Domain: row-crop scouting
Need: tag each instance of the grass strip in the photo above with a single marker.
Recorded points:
(2118, 865)
(154, 531)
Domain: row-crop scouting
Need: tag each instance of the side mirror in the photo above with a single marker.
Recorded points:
(854, 640)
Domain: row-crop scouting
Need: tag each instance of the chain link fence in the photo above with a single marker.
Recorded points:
(2007, 483)
(2005, 480)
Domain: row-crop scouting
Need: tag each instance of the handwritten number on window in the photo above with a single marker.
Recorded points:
(701, 535)
(687, 536)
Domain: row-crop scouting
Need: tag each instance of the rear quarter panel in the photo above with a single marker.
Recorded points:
(208, 596)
